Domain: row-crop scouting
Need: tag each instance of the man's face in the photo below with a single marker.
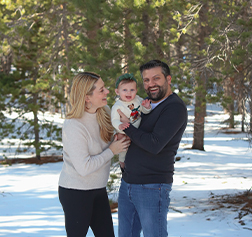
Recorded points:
(156, 85)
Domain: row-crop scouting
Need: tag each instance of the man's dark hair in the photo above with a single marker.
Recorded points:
(153, 64)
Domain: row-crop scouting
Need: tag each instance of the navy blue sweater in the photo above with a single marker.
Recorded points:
(150, 157)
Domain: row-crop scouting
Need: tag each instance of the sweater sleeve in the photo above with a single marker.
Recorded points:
(169, 122)
(75, 145)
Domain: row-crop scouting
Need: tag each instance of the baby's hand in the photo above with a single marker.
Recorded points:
(146, 104)
(122, 126)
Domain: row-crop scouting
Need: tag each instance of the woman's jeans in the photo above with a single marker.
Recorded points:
(143, 207)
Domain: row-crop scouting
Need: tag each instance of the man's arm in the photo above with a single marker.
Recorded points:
(168, 124)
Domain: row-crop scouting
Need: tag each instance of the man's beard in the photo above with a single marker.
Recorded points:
(160, 94)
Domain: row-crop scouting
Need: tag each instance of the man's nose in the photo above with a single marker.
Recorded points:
(151, 83)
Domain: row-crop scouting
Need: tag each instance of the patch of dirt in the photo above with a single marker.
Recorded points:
(33, 160)
(230, 130)
(243, 201)
(240, 203)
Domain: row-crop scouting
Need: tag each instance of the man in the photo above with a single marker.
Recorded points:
(149, 164)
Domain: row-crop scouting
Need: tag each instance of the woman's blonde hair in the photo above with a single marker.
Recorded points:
(84, 84)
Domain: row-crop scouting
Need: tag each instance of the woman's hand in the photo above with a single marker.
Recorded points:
(118, 146)
(123, 126)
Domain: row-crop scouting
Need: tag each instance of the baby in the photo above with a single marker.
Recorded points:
(130, 104)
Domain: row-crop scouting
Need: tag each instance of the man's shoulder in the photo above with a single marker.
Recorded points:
(174, 99)
(173, 102)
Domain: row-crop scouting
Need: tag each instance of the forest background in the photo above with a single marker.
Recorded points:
(44, 43)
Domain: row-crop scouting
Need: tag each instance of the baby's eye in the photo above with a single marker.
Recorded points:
(132, 89)
(124, 90)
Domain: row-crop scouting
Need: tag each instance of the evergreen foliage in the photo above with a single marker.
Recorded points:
(207, 44)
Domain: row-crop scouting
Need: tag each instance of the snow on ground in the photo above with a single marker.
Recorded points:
(29, 205)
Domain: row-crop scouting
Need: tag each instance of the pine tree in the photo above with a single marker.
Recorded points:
(29, 39)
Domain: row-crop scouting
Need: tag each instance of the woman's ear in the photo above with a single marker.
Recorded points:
(87, 99)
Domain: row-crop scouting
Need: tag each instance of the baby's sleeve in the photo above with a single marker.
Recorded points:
(115, 117)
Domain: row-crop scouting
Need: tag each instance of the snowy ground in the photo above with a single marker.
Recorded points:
(29, 205)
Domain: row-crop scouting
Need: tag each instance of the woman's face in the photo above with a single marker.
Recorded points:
(99, 97)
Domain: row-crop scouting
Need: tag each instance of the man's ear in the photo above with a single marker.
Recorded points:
(169, 79)
(117, 91)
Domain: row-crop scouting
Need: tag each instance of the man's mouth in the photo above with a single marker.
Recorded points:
(153, 89)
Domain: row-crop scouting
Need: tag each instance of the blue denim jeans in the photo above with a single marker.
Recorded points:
(143, 207)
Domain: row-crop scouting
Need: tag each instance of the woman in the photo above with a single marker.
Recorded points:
(87, 152)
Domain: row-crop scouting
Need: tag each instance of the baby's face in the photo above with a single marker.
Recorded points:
(127, 91)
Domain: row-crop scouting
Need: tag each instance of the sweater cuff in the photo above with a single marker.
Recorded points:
(129, 130)
(109, 153)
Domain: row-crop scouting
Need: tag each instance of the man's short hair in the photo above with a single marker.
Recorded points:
(156, 63)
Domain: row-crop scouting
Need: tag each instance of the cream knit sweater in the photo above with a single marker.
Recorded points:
(124, 107)
(86, 156)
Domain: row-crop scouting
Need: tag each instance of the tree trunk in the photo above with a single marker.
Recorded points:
(243, 112)
(201, 79)
(229, 92)
(127, 42)
(160, 35)
(250, 106)
(36, 126)
(35, 97)
(145, 32)
(66, 44)
(199, 114)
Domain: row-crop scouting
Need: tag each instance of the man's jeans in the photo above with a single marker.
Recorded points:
(143, 207)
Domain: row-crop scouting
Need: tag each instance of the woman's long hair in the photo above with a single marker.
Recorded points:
(84, 84)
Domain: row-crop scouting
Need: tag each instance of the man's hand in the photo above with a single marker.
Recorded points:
(146, 104)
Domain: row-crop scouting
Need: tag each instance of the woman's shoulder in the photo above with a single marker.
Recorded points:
(72, 122)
